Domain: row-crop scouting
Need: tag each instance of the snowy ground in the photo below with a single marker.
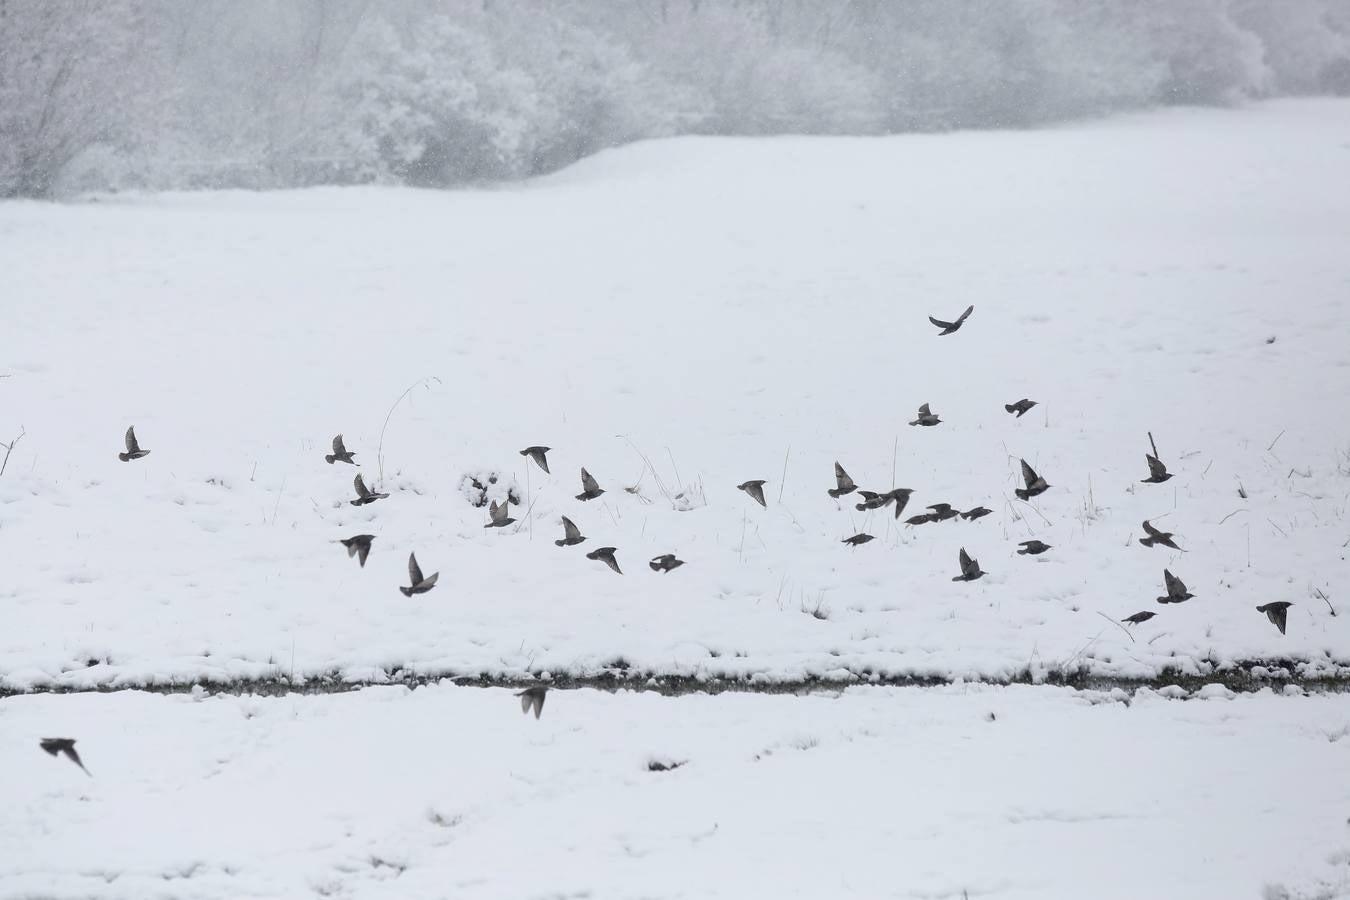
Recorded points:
(1022, 792)
(724, 307)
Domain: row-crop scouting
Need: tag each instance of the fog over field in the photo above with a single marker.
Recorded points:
(98, 94)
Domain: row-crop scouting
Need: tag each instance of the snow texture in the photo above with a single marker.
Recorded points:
(679, 317)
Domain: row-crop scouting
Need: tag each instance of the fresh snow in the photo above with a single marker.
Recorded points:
(724, 309)
(954, 792)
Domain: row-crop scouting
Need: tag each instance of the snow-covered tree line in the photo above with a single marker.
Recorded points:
(270, 93)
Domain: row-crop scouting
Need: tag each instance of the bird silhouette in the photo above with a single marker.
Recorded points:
(1036, 485)
(339, 453)
(358, 546)
(949, 327)
(590, 489)
(926, 417)
(537, 454)
(1277, 613)
(943, 511)
(134, 450)
(1176, 589)
(843, 484)
(606, 556)
(858, 539)
(1139, 617)
(1157, 537)
(755, 489)
(532, 698)
(56, 746)
(970, 568)
(419, 584)
(871, 500)
(571, 534)
(364, 494)
(1021, 407)
(665, 562)
(1035, 548)
(500, 515)
(1157, 472)
(978, 512)
(921, 519)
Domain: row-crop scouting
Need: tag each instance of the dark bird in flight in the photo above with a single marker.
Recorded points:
(537, 454)
(1176, 589)
(843, 484)
(571, 534)
(665, 562)
(420, 585)
(364, 494)
(358, 546)
(755, 489)
(1157, 472)
(339, 453)
(1021, 407)
(858, 539)
(56, 746)
(590, 489)
(1157, 537)
(943, 511)
(500, 515)
(134, 450)
(921, 519)
(970, 568)
(1277, 613)
(871, 500)
(926, 417)
(949, 327)
(1035, 548)
(1036, 485)
(978, 512)
(1139, 617)
(606, 556)
(900, 496)
(532, 698)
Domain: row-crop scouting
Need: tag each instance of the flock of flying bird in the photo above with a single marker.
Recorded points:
(499, 516)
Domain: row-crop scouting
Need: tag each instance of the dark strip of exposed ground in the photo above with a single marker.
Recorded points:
(1244, 677)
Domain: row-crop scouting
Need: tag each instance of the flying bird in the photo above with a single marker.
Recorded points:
(1021, 407)
(500, 515)
(606, 556)
(926, 417)
(1157, 537)
(537, 454)
(755, 489)
(843, 484)
(871, 500)
(978, 512)
(590, 489)
(134, 450)
(1036, 485)
(1157, 472)
(364, 494)
(858, 539)
(56, 746)
(420, 585)
(1139, 617)
(339, 453)
(358, 546)
(949, 327)
(1277, 613)
(665, 562)
(1035, 548)
(921, 519)
(532, 697)
(571, 534)
(1176, 589)
(943, 511)
(970, 568)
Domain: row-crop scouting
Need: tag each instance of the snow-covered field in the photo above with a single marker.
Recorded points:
(727, 310)
(1021, 792)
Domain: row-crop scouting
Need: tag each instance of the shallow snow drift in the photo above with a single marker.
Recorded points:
(680, 317)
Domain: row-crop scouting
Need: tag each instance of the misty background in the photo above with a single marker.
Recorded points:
(159, 94)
